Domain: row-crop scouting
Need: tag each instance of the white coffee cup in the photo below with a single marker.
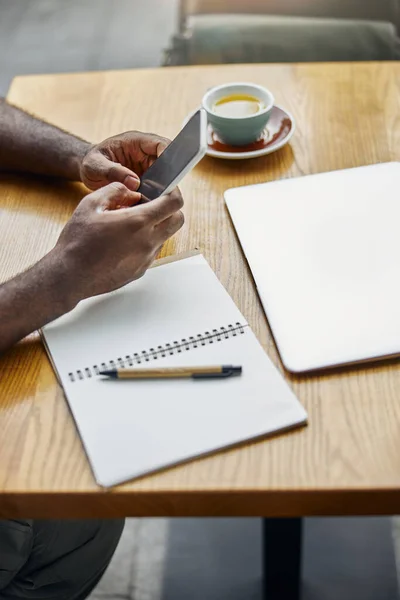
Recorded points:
(242, 130)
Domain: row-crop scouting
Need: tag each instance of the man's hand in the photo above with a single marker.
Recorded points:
(122, 158)
(103, 248)
(100, 249)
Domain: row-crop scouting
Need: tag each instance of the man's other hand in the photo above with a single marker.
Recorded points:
(108, 242)
(122, 158)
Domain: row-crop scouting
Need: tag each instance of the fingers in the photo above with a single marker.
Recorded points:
(121, 158)
(100, 170)
(163, 216)
(170, 226)
(111, 197)
(162, 208)
(153, 145)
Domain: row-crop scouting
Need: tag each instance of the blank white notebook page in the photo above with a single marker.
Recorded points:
(180, 313)
(324, 251)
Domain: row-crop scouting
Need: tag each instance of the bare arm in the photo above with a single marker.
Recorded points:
(30, 145)
(34, 298)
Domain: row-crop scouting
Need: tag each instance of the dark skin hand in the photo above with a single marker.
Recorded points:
(81, 264)
(121, 158)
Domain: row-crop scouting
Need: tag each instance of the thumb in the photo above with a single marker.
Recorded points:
(98, 171)
(113, 197)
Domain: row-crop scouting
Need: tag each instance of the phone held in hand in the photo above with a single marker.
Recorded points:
(182, 154)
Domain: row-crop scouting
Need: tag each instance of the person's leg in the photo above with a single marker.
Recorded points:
(66, 561)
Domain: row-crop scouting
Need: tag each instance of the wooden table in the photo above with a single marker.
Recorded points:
(348, 459)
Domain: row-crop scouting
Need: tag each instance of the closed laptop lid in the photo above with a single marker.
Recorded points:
(324, 251)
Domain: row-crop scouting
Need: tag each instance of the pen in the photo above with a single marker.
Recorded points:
(218, 372)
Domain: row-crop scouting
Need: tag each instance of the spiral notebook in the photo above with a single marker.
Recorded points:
(177, 314)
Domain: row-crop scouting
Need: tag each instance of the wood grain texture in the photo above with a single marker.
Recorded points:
(347, 461)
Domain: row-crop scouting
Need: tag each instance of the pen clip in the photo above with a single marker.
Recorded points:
(221, 375)
(212, 375)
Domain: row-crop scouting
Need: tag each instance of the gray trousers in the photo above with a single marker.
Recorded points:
(55, 560)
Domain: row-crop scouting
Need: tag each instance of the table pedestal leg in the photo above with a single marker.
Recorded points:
(282, 544)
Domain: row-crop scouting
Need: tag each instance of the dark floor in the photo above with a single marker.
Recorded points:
(220, 559)
(346, 559)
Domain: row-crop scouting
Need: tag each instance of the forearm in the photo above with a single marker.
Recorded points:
(30, 145)
(34, 298)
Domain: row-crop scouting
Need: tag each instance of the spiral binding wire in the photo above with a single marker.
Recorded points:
(145, 356)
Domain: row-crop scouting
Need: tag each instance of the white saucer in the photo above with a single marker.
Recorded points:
(277, 134)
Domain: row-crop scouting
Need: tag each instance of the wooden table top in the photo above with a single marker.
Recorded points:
(347, 461)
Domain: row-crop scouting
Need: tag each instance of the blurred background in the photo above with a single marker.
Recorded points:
(161, 559)
(53, 36)
(47, 36)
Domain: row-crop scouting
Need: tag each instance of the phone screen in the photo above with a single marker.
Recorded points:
(173, 161)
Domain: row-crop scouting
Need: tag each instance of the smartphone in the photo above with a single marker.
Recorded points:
(182, 154)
